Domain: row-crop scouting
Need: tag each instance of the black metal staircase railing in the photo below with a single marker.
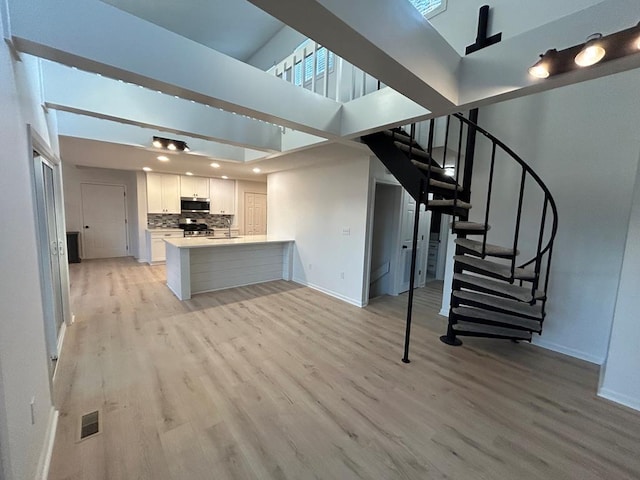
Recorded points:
(422, 171)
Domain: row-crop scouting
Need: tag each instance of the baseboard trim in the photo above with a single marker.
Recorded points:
(47, 449)
(444, 313)
(620, 398)
(351, 301)
(587, 357)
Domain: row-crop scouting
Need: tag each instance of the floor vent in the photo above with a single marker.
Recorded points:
(89, 424)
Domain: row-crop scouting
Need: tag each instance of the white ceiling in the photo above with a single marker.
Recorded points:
(93, 153)
(233, 27)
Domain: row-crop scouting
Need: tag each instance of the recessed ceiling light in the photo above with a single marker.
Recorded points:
(163, 158)
(146, 169)
(215, 165)
(224, 177)
(256, 170)
(188, 173)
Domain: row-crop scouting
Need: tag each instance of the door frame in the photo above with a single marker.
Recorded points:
(126, 213)
(39, 146)
(393, 267)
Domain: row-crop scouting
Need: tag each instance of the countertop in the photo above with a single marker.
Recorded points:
(204, 242)
(164, 229)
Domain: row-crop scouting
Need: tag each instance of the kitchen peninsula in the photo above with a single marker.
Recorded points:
(203, 264)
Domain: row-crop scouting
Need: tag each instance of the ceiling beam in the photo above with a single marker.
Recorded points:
(389, 40)
(105, 98)
(92, 128)
(97, 37)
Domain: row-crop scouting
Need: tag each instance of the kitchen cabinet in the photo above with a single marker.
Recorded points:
(155, 243)
(197, 187)
(223, 196)
(163, 193)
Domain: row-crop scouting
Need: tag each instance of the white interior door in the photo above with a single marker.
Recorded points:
(255, 214)
(406, 244)
(104, 233)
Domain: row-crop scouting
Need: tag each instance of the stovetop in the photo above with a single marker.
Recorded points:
(198, 233)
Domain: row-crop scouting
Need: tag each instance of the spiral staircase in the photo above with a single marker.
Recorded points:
(493, 294)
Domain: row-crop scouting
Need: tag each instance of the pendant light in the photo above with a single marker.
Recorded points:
(592, 52)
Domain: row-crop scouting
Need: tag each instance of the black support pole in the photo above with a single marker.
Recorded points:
(412, 277)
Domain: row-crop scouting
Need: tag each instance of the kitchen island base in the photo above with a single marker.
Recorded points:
(201, 265)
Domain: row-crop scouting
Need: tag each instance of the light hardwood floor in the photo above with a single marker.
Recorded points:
(279, 381)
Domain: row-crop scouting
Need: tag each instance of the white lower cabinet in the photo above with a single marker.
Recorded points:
(156, 246)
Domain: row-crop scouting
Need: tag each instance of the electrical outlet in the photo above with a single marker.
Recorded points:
(346, 231)
(342, 275)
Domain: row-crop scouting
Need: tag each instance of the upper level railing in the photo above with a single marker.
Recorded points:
(313, 67)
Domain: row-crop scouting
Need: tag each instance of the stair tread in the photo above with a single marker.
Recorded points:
(514, 291)
(400, 137)
(444, 185)
(515, 306)
(499, 269)
(502, 318)
(416, 151)
(476, 246)
(449, 203)
(425, 167)
(471, 226)
(491, 330)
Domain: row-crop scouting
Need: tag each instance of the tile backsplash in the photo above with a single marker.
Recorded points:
(155, 220)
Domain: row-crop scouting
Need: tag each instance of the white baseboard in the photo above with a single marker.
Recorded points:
(357, 303)
(444, 313)
(587, 357)
(47, 449)
(61, 336)
(620, 398)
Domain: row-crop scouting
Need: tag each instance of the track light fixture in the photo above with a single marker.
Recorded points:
(168, 144)
(592, 52)
(596, 49)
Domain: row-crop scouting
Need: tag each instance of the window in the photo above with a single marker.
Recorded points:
(429, 8)
(297, 73)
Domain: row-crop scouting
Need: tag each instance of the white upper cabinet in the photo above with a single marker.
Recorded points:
(223, 196)
(197, 187)
(163, 193)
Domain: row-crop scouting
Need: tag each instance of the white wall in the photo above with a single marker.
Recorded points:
(459, 22)
(314, 205)
(74, 176)
(242, 187)
(583, 140)
(620, 375)
(279, 46)
(23, 355)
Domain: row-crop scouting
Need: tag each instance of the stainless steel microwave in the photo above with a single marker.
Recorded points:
(191, 204)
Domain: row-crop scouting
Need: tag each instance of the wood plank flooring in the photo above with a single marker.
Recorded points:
(278, 381)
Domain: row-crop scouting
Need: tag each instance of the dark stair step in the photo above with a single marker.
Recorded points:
(446, 206)
(415, 151)
(474, 247)
(498, 304)
(467, 329)
(450, 187)
(425, 168)
(402, 137)
(494, 287)
(477, 315)
(469, 228)
(492, 269)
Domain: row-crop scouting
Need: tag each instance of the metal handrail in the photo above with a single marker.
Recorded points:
(526, 168)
